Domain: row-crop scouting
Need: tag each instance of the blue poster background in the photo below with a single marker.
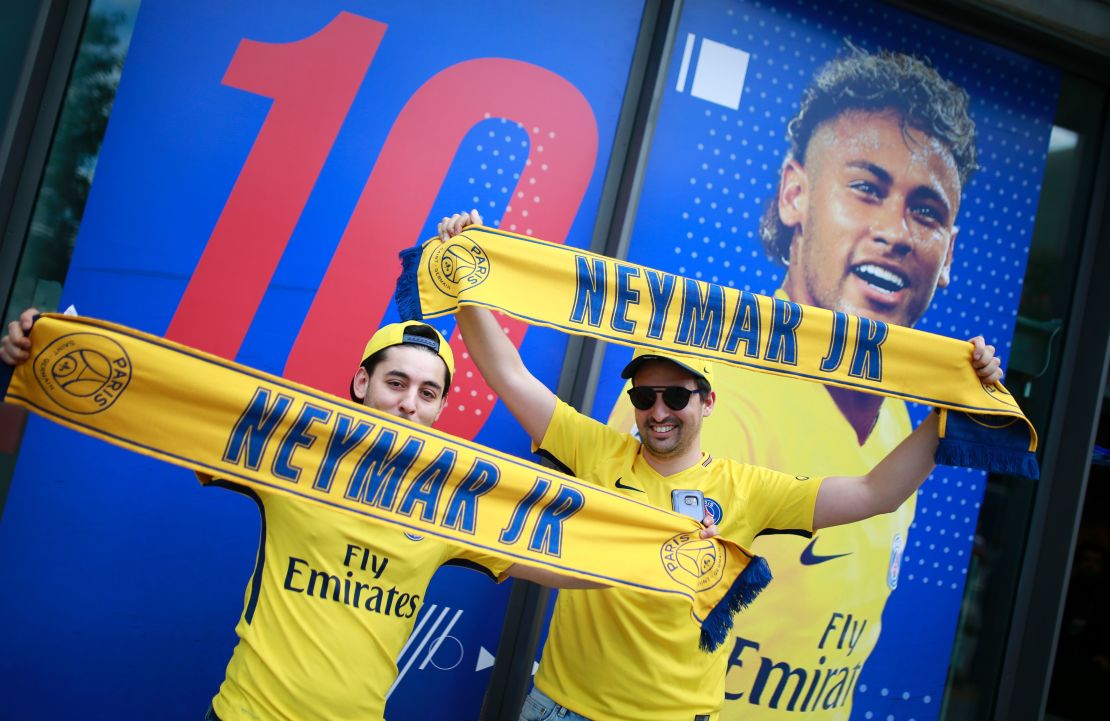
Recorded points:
(714, 166)
(122, 578)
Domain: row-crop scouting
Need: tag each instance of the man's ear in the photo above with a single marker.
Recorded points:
(793, 194)
(360, 383)
(946, 270)
(710, 402)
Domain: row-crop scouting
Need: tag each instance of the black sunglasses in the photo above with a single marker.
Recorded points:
(674, 397)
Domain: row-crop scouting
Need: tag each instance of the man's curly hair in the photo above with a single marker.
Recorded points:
(877, 82)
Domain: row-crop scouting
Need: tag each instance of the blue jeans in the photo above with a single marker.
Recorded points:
(538, 706)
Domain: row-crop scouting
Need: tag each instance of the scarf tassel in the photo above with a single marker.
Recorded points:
(995, 459)
(407, 293)
(717, 627)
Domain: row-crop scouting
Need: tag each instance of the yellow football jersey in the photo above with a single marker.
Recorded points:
(329, 606)
(616, 654)
(800, 647)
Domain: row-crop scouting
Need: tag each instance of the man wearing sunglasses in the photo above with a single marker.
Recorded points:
(864, 222)
(674, 397)
(619, 655)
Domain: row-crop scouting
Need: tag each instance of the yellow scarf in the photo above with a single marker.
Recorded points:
(195, 410)
(586, 294)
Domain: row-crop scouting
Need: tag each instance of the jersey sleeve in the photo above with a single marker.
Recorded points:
(780, 503)
(493, 566)
(577, 443)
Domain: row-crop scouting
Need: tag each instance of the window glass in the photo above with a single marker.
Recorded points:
(1032, 374)
(1082, 668)
(69, 171)
(742, 188)
(72, 160)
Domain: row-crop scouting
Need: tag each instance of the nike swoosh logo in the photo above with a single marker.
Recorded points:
(627, 488)
(809, 558)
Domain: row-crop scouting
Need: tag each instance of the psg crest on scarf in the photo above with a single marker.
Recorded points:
(83, 372)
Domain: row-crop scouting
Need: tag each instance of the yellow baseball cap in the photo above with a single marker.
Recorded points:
(409, 333)
(696, 367)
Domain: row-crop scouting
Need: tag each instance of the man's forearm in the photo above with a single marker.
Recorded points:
(847, 499)
(530, 402)
(905, 468)
(494, 354)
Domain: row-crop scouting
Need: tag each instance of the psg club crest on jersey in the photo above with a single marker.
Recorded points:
(714, 509)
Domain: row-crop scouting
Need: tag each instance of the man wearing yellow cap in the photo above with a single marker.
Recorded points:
(865, 222)
(617, 655)
(333, 598)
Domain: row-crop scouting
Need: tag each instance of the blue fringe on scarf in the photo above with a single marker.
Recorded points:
(407, 294)
(951, 452)
(717, 627)
(974, 444)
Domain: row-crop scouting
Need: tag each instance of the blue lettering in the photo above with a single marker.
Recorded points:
(867, 357)
(734, 660)
(782, 346)
(462, 509)
(548, 536)
(428, 485)
(297, 437)
(837, 343)
(832, 626)
(589, 292)
(343, 439)
(255, 427)
(766, 666)
(700, 322)
(745, 326)
(512, 532)
(379, 471)
(327, 581)
(625, 296)
(838, 689)
(660, 288)
(291, 572)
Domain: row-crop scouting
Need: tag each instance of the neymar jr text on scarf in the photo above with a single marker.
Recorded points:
(389, 473)
(711, 318)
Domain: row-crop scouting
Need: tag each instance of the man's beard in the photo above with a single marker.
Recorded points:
(676, 445)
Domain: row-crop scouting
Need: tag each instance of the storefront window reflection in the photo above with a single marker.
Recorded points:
(72, 161)
(1033, 368)
(67, 178)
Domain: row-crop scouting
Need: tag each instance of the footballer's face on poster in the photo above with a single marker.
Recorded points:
(873, 208)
